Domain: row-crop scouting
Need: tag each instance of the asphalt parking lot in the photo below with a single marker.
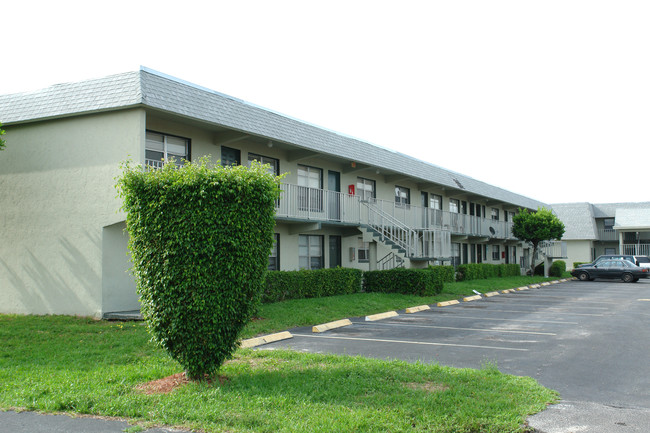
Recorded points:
(587, 340)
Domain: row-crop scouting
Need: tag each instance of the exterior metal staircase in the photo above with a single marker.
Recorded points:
(407, 242)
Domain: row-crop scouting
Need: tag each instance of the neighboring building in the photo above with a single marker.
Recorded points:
(611, 228)
(344, 202)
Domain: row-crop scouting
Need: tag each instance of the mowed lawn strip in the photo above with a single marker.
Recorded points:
(66, 364)
(281, 316)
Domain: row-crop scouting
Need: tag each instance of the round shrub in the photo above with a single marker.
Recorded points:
(200, 238)
(557, 268)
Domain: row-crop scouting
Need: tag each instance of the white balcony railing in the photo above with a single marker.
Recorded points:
(637, 249)
(301, 202)
(553, 249)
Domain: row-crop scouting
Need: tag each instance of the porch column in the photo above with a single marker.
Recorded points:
(620, 243)
(372, 255)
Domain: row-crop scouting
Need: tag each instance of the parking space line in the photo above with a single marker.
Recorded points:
(539, 311)
(562, 307)
(508, 331)
(423, 343)
(557, 322)
(563, 299)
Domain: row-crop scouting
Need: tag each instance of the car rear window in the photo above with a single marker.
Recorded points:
(643, 260)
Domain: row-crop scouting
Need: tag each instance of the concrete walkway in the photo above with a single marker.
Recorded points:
(32, 422)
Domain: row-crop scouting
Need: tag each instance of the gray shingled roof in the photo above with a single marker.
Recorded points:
(152, 89)
(630, 219)
(578, 219)
(608, 210)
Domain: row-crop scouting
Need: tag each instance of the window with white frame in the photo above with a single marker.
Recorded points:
(495, 252)
(402, 195)
(366, 189)
(274, 258)
(435, 201)
(310, 252)
(495, 214)
(160, 148)
(310, 188)
(364, 251)
(455, 254)
(274, 164)
(454, 205)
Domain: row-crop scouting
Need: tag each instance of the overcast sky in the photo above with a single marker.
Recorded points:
(549, 99)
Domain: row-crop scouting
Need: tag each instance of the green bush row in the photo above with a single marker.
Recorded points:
(422, 282)
(478, 271)
(284, 285)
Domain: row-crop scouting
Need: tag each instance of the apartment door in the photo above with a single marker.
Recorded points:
(333, 195)
(335, 251)
(507, 251)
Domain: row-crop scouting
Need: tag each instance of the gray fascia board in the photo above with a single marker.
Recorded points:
(151, 89)
(167, 94)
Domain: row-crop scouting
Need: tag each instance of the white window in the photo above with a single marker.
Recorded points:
(310, 251)
(274, 258)
(455, 254)
(274, 164)
(454, 205)
(364, 251)
(495, 252)
(435, 202)
(160, 148)
(310, 183)
(495, 214)
(366, 189)
(402, 195)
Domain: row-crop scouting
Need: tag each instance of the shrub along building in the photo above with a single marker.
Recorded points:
(344, 202)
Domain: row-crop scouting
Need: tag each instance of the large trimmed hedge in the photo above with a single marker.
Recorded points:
(284, 285)
(200, 238)
(422, 282)
(478, 271)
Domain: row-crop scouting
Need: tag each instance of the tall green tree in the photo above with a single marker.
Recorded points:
(536, 227)
(200, 239)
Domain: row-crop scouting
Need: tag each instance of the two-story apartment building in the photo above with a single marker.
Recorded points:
(607, 228)
(344, 203)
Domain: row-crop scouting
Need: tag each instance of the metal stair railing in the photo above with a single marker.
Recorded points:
(390, 261)
(391, 228)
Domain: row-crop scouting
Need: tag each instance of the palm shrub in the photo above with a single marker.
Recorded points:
(200, 238)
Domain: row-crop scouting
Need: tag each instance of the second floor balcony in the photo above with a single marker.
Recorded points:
(311, 204)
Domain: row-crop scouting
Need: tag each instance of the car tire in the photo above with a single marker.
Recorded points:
(627, 278)
(583, 276)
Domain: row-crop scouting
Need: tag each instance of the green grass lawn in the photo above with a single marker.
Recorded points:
(280, 316)
(78, 365)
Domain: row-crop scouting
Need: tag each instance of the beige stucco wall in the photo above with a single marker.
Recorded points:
(578, 251)
(56, 196)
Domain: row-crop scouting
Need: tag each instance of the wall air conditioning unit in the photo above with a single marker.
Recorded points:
(363, 254)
